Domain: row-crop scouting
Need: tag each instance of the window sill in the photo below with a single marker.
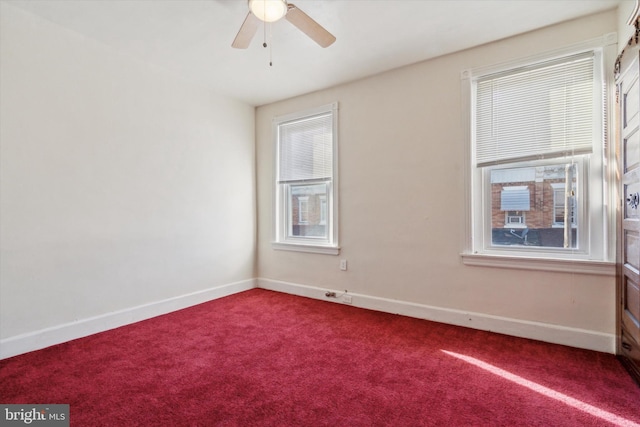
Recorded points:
(297, 247)
(602, 268)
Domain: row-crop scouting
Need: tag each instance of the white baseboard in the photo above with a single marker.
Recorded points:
(573, 337)
(24, 343)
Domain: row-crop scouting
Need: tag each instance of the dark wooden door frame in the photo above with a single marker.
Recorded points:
(627, 67)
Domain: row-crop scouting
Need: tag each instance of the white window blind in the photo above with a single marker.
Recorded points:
(538, 112)
(306, 149)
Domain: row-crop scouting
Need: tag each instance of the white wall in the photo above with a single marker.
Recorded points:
(401, 148)
(625, 32)
(120, 186)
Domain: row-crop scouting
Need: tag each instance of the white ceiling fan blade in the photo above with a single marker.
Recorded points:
(308, 26)
(247, 31)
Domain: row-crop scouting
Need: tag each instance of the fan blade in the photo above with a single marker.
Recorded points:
(308, 26)
(247, 31)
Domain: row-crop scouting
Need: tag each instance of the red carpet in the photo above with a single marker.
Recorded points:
(262, 358)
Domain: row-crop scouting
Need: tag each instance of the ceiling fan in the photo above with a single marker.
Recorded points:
(273, 10)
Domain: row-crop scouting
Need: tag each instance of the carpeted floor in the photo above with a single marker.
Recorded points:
(261, 358)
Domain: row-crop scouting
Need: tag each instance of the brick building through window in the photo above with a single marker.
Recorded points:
(309, 210)
(529, 206)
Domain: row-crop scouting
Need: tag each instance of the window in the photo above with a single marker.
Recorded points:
(303, 210)
(306, 193)
(537, 158)
(515, 219)
(536, 203)
(323, 209)
(515, 201)
(563, 196)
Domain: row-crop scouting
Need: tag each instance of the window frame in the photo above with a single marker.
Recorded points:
(557, 188)
(322, 200)
(522, 223)
(599, 250)
(283, 238)
(303, 214)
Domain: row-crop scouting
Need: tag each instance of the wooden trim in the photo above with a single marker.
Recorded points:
(630, 367)
(633, 18)
(562, 265)
(633, 41)
(628, 357)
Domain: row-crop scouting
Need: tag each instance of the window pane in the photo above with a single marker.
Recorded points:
(303, 210)
(307, 211)
(528, 206)
(306, 149)
(547, 109)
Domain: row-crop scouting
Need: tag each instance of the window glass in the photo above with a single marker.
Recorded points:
(306, 178)
(528, 205)
(306, 213)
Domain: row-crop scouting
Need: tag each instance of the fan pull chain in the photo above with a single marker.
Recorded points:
(264, 26)
(265, 44)
(270, 46)
(264, 34)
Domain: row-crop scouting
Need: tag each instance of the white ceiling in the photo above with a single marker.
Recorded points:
(193, 37)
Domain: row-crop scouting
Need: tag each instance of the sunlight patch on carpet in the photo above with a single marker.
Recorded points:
(575, 403)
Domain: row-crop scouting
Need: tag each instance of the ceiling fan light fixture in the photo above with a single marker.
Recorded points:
(268, 10)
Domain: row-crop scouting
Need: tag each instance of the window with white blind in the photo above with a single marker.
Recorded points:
(537, 147)
(542, 111)
(306, 189)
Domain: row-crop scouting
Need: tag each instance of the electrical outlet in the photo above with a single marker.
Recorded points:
(343, 264)
(347, 299)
